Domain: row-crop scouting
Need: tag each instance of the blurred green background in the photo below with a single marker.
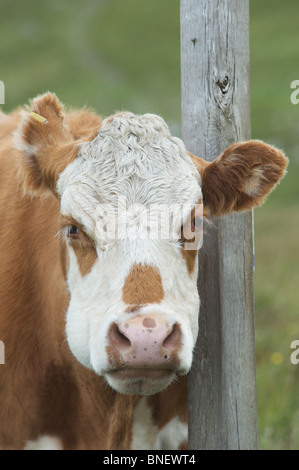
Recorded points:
(125, 54)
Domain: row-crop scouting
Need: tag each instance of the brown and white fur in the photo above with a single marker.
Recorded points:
(99, 338)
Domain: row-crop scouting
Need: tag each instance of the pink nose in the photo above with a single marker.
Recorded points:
(145, 341)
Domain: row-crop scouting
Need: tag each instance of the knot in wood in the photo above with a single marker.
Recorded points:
(223, 84)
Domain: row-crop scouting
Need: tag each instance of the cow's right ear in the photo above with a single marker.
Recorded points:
(45, 143)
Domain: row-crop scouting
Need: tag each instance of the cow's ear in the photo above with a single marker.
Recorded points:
(241, 177)
(45, 144)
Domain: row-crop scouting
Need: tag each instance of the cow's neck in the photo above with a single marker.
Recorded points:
(115, 421)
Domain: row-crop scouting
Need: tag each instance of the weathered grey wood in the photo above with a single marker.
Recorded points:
(215, 113)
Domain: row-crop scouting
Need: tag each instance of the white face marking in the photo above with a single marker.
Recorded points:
(133, 157)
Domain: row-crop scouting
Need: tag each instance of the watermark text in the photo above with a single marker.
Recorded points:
(295, 354)
(156, 221)
(2, 353)
(295, 94)
(2, 92)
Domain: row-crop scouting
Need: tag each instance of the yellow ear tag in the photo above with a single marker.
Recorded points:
(39, 118)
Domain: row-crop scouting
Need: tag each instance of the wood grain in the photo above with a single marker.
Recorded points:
(215, 113)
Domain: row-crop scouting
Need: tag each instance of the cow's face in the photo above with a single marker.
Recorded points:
(130, 200)
(134, 304)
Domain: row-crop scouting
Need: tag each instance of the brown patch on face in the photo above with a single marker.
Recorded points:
(190, 258)
(143, 285)
(64, 258)
(83, 246)
(133, 308)
(190, 255)
(86, 257)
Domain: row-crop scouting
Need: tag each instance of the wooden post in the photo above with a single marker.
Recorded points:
(215, 113)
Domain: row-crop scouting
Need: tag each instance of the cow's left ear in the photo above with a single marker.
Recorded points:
(241, 177)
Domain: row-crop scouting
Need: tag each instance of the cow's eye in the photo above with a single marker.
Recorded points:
(73, 231)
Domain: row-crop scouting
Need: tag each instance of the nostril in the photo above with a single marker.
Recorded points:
(173, 339)
(119, 339)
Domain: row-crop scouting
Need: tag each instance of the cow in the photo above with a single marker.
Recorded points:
(99, 331)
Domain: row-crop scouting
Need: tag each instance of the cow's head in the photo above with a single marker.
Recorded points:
(133, 311)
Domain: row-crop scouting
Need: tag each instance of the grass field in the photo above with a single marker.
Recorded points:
(117, 54)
